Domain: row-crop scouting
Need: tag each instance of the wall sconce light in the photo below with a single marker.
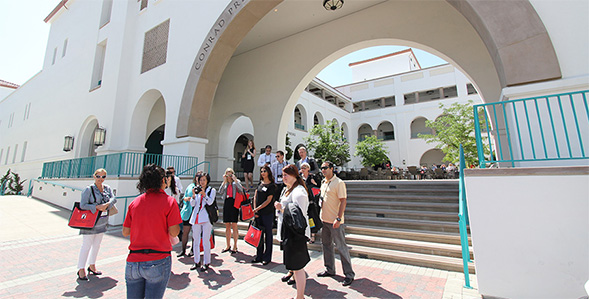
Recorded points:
(333, 4)
(99, 136)
(68, 143)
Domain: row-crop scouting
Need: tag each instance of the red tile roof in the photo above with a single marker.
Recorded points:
(8, 84)
(56, 9)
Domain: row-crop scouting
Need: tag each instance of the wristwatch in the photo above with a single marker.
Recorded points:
(338, 219)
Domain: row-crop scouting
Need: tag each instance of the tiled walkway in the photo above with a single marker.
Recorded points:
(39, 252)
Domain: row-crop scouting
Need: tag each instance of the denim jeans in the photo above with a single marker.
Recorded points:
(148, 279)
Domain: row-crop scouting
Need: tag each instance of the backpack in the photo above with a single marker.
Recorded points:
(212, 209)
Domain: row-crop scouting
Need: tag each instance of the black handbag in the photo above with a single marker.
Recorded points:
(212, 210)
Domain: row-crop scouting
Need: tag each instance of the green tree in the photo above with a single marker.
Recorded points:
(455, 126)
(328, 144)
(17, 185)
(372, 151)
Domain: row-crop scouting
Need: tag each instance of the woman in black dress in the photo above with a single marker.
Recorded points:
(248, 164)
(294, 242)
(228, 190)
(264, 213)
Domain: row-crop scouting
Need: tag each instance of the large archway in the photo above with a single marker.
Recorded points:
(494, 58)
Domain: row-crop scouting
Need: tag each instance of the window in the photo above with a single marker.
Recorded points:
(24, 151)
(11, 120)
(106, 11)
(155, 46)
(450, 92)
(470, 89)
(98, 65)
(27, 111)
(389, 101)
(54, 56)
(143, 5)
(1, 154)
(64, 48)
(418, 127)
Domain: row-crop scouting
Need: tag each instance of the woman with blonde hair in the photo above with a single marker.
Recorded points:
(96, 197)
(228, 190)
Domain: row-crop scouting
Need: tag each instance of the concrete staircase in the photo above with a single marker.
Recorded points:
(409, 222)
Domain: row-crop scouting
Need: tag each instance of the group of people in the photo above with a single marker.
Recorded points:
(284, 194)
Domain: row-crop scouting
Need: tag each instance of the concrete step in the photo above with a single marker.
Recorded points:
(402, 214)
(384, 184)
(436, 237)
(387, 249)
(402, 205)
(420, 225)
(366, 195)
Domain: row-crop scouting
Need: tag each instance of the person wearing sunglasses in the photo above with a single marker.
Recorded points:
(96, 197)
(333, 197)
(264, 215)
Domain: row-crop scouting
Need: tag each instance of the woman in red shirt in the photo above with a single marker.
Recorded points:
(152, 220)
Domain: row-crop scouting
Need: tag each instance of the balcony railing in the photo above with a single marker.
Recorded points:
(553, 127)
(125, 164)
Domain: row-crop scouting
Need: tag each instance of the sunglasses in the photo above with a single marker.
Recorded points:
(100, 176)
(324, 167)
(263, 171)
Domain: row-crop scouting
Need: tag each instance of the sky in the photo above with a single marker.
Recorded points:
(24, 34)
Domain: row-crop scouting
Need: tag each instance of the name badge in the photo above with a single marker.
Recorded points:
(264, 189)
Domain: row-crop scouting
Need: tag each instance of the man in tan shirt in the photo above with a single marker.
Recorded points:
(333, 194)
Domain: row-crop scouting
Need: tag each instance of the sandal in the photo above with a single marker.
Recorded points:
(234, 251)
(287, 276)
(90, 271)
(226, 249)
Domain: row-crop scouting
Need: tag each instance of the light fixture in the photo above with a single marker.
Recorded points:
(333, 4)
(68, 143)
(99, 136)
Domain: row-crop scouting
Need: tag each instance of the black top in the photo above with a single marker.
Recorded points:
(263, 192)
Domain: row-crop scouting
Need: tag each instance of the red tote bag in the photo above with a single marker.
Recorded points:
(83, 219)
(246, 212)
(315, 191)
(240, 198)
(253, 235)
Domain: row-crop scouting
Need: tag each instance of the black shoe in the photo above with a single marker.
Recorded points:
(90, 271)
(291, 282)
(181, 254)
(325, 274)
(225, 250)
(347, 281)
(286, 277)
(190, 254)
(204, 268)
(254, 261)
(196, 266)
(82, 278)
(265, 263)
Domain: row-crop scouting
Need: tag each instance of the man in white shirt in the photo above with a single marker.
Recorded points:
(266, 158)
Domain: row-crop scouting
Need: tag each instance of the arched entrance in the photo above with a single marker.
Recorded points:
(85, 145)
(432, 157)
(153, 145)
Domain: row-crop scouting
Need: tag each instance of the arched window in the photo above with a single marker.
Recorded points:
(364, 131)
(300, 118)
(418, 127)
(386, 131)
(318, 119)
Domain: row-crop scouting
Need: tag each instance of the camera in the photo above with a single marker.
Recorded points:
(197, 189)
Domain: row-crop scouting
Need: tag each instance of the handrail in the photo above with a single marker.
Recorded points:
(127, 164)
(544, 128)
(196, 167)
(463, 220)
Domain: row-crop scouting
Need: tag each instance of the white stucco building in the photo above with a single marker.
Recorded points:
(200, 74)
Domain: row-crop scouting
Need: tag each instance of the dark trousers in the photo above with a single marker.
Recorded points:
(264, 252)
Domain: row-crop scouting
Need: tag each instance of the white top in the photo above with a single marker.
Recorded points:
(199, 209)
(300, 198)
(178, 196)
(266, 158)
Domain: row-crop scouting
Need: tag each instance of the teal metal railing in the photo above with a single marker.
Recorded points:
(3, 187)
(552, 127)
(299, 126)
(192, 170)
(463, 221)
(120, 164)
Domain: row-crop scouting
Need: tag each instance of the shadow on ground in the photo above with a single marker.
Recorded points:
(93, 288)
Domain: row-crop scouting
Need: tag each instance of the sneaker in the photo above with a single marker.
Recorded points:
(347, 281)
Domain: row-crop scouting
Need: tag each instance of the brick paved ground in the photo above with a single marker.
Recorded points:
(39, 256)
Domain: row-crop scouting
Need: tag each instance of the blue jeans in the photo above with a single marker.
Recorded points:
(148, 279)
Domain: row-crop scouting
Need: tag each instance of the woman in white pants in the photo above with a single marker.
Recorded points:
(200, 221)
(96, 197)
